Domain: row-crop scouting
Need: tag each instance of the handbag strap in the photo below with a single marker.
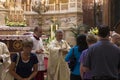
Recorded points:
(18, 57)
(73, 52)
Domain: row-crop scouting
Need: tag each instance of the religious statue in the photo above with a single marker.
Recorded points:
(39, 7)
(1, 4)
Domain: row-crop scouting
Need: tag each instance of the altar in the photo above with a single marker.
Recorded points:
(14, 42)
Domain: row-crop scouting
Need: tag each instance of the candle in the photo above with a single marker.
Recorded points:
(31, 7)
(51, 27)
(56, 26)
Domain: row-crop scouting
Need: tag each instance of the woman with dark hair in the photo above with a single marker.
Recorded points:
(81, 45)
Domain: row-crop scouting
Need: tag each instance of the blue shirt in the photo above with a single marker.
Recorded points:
(77, 54)
(24, 69)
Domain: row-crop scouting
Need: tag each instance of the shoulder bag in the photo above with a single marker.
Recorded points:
(72, 61)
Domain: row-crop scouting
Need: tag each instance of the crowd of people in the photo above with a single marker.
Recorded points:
(97, 57)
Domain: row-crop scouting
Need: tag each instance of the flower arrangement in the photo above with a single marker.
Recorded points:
(94, 30)
(16, 24)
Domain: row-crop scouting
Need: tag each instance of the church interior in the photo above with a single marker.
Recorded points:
(20, 16)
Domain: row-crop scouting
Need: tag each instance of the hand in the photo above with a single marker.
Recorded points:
(62, 49)
(39, 51)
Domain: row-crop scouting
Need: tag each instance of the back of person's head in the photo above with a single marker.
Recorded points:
(103, 31)
(27, 42)
(81, 42)
(115, 38)
(91, 38)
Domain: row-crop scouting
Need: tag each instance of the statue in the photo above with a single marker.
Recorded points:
(39, 7)
(2, 5)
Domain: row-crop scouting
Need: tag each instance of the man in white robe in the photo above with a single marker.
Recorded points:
(38, 48)
(57, 67)
(4, 58)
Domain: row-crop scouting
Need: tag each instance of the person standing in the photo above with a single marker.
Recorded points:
(38, 48)
(91, 39)
(24, 65)
(115, 38)
(4, 58)
(103, 57)
(81, 45)
(57, 67)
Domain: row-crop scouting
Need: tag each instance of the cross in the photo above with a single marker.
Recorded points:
(54, 19)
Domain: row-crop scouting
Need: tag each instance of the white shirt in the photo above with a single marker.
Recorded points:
(37, 45)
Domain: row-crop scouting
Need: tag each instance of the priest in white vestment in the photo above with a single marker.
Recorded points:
(57, 67)
(4, 58)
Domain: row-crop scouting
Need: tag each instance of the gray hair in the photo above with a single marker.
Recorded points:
(91, 38)
(59, 31)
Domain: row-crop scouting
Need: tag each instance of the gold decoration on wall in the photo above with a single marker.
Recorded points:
(58, 1)
(17, 45)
